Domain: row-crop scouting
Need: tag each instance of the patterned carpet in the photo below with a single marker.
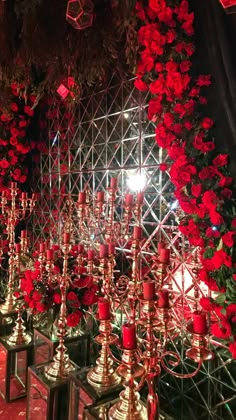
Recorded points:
(14, 410)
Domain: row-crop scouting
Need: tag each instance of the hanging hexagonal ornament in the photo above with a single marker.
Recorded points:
(79, 13)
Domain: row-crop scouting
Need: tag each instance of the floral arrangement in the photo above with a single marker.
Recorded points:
(39, 295)
(14, 141)
(204, 187)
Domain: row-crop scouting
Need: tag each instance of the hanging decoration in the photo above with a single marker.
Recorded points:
(79, 13)
(229, 5)
(204, 187)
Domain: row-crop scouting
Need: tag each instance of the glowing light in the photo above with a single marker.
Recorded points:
(174, 205)
(136, 182)
(214, 228)
(126, 115)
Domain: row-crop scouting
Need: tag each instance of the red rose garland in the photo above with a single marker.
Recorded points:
(203, 184)
(14, 143)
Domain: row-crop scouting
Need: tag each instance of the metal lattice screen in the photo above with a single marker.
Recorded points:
(108, 134)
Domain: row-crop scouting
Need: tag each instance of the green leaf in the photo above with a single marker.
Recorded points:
(220, 299)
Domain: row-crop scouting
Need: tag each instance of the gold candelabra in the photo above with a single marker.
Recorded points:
(12, 214)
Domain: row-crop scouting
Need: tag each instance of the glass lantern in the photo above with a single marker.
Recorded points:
(44, 347)
(7, 322)
(82, 394)
(46, 400)
(14, 362)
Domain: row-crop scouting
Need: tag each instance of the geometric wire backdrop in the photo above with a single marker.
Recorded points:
(107, 134)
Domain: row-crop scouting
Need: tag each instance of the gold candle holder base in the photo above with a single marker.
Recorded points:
(199, 352)
(103, 376)
(19, 336)
(60, 367)
(129, 406)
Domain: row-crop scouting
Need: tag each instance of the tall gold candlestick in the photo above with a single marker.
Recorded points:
(129, 407)
(103, 376)
(61, 364)
(8, 305)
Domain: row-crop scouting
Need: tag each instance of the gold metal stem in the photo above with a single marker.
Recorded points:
(61, 365)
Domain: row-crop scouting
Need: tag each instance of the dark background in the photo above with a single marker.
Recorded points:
(216, 54)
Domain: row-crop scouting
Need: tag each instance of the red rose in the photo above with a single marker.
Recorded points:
(228, 239)
(207, 173)
(212, 233)
(231, 310)
(163, 167)
(221, 330)
(206, 303)
(221, 257)
(28, 110)
(204, 80)
(14, 107)
(40, 307)
(74, 318)
(57, 298)
(196, 190)
(73, 300)
(226, 193)
(140, 85)
(225, 181)
(220, 160)
(232, 348)
(210, 200)
(207, 123)
(36, 296)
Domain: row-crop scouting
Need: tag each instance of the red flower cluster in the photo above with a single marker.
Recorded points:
(40, 296)
(200, 175)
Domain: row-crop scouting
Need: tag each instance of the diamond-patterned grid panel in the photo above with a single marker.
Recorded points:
(107, 134)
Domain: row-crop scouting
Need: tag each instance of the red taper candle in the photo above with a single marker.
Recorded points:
(137, 233)
(100, 196)
(49, 254)
(90, 254)
(111, 248)
(164, 255)
(82, 197)
(140, 197)
(42, 247)
(149, 290)
(23, 234)
(129, 336)
(24, 195)
(129, 198)
(14, 185)
(103, 251)
(113, 183)
(163, 299)
(18, 247)
(103, 309)
(161, 245)
(66, 237)
(199, 322)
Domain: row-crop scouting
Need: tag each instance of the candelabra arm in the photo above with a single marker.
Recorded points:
(176, 363)
(152, 398)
